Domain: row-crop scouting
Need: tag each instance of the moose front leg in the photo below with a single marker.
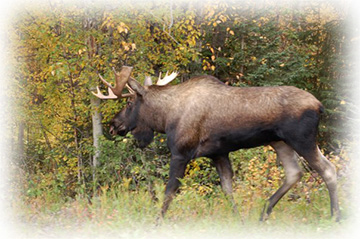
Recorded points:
(224, 169)
(177, 170)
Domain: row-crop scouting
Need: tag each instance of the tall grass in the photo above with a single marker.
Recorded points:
(128, 209)
(133, 214)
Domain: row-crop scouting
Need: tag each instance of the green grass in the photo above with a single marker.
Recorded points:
(124, 208)
(120, 213)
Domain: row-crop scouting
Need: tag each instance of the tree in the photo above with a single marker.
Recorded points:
(60, 50)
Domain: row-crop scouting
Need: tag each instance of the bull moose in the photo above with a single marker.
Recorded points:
(203, 117)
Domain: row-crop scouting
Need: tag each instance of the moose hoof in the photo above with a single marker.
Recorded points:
(265, 212)
(337, 216)
(264, 217)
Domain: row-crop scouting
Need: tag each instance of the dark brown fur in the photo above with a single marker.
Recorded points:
(204, 117)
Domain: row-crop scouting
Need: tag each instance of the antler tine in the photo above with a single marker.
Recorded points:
(167, 79)
(121, 79)
(101, 96)
(131, 91)
(105, 82)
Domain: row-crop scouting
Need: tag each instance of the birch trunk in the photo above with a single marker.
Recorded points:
(97, 131)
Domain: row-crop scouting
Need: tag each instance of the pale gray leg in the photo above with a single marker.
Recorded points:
(288, 157)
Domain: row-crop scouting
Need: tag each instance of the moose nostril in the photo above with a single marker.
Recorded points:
(111, 130)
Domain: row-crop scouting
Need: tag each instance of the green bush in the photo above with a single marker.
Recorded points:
(122, 163)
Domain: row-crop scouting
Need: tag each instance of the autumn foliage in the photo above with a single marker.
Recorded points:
(59, 50)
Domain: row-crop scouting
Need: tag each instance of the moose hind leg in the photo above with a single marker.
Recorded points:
(293, 174)
(327, 171)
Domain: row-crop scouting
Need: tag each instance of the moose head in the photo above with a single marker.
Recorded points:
(127, 120)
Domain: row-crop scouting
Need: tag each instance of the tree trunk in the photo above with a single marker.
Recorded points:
(97, 131)
(242, 49)
(20, 143)
(76, 133)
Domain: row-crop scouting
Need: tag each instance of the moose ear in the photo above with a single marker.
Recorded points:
(147, 81)
(136, 86)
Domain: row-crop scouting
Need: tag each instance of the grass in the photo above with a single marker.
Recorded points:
(120, 213)
(200, 210)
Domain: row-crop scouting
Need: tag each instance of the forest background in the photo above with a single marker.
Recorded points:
(66, 162)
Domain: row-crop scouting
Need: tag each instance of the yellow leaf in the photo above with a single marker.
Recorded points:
(212, 68)
(222, 18)
(214, 24)
(343, 102)
(213, 58)
(125, 45)
(211, 13)
(120, 29)
(231, 32)
(126, 182)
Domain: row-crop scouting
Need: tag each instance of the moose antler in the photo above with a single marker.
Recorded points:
(167, 79)
(115, 92)
(121, 79)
